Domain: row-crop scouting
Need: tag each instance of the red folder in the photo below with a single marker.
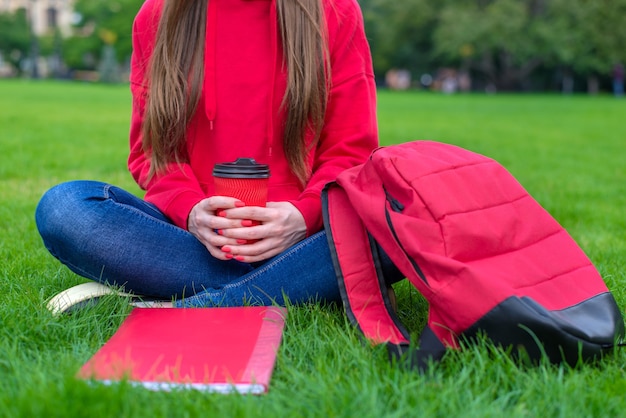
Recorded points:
(213, 349)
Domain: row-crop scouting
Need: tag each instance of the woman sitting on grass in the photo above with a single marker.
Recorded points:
(286, 82)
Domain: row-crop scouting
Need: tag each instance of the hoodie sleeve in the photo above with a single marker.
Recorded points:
(176, 191)
(350, 131)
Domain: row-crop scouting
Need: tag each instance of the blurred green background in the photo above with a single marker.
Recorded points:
(447, 45)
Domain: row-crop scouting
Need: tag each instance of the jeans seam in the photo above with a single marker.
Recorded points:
(143, 214)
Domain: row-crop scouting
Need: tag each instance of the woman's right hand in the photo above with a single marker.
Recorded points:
(203, 222)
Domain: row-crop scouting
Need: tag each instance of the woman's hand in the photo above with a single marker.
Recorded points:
(225, 227)
(203, 222)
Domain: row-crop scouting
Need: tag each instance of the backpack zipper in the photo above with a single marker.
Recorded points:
(398, 207)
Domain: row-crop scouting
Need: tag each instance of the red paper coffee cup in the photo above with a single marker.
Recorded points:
(243, 179)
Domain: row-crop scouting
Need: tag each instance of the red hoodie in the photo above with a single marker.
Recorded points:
(239, 111)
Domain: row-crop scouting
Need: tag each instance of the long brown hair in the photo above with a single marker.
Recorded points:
(176, 74)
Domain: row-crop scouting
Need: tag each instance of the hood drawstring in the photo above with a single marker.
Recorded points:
(274, 41)
(210, 46)
(210, 77)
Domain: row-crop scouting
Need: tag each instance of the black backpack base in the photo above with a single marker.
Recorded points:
(529, 333)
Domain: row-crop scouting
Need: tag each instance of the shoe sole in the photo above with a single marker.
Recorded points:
(87, 294)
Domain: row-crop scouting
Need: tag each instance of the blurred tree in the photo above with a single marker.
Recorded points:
(15, 37)
(503, 41)
(589, 37)
(104, 26)
(80, 53)
(399, 33)
(51, 46)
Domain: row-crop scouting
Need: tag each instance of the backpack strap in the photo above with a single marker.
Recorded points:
(358, 269)
(363, 287)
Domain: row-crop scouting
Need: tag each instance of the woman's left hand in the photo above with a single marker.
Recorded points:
(282, 225)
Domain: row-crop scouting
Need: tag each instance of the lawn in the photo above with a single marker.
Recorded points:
(568, 151)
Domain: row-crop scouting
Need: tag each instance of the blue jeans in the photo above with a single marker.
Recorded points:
(106, 234)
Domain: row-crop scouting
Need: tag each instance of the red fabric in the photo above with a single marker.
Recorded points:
(239, 114)
(477, 236)
(364, 297)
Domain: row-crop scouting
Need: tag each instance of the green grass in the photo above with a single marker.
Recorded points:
(567, 151)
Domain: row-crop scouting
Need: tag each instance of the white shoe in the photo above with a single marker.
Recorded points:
(79, 295)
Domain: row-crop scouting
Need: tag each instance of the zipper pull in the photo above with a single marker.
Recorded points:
(396, 206)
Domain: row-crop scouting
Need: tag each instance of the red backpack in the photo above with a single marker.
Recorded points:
(490, 261)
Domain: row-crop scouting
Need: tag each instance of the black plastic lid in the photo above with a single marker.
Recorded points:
(242, 168)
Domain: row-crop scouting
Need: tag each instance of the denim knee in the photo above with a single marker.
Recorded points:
(60, 209)
(49, 211)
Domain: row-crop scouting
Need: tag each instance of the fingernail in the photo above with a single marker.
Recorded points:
(221, 213)
(239, 204)
(229, 256)
(242, 241)
(246, 223)
(220, 232)
(239, 258)
(226, 249)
